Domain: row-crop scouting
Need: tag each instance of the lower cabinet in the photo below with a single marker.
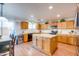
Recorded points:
(67, 39)
(62, 39)
(71, 40)
(25, 36)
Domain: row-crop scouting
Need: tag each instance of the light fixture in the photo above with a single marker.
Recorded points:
(32, 16)
(58, 15)
(2, 19)
(50, 7)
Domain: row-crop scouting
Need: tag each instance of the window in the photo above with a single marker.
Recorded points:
(3, 23)
(32, 25)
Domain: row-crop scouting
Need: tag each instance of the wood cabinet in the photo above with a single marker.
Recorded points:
(24, 25)
(25, 37)
(70, 24)
(66, 25)
(62, 25)
(71, 40)
(45, 44)
(42, 26)
(49, 45)
(38, 26)
(67, 39)
(62, 39)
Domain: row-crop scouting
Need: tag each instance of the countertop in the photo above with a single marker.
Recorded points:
(50, 35)
(44, 35)
(71, 35)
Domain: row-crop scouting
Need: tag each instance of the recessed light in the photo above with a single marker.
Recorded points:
(58, 15)
(32, 16)
(50, 7)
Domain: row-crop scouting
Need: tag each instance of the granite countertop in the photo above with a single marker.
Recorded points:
(44, 35)
(72, 35)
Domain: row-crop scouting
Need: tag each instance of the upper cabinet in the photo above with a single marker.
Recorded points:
(70, 24)
(42, 26)
(66, 25)
(24, 25)
(38, 26)
(62, 25)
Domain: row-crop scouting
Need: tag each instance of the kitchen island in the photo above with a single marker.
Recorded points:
(45, 43)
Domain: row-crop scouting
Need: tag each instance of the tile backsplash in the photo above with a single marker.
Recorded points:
(66, 31)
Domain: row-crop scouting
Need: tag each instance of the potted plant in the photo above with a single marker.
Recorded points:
(62, 20)
(46, 22)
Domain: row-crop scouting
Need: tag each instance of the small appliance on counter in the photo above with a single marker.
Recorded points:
(53, 32)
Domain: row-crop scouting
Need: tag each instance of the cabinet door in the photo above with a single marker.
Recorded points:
(63, 25)
(70, 24)
(38, 26)
(25, 38)
(39, 42)
(59, 38)
(53, 44)
(71, 40)
(62, 39)
(46, 44)
(44, 26)
(24, 25)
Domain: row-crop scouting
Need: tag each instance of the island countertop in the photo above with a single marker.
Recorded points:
(44, 35)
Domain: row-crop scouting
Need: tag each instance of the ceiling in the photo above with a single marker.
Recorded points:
(39, 10)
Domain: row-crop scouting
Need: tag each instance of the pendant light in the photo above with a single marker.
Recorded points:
(2, 20)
